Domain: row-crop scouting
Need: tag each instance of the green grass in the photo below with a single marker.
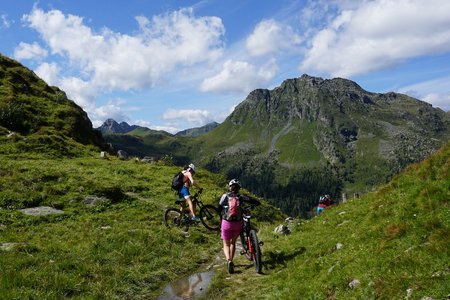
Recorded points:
(118, 249)
(297, 146)
(394, 239)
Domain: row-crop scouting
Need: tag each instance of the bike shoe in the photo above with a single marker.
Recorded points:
(230, 267)
(195, 219)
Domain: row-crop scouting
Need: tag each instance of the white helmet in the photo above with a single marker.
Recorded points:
(192, 167)
(234, 182)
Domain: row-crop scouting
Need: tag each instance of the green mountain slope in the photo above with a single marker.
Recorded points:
(197, 131)
(106, 239)
(332, 129)
(35, 117)
(393, 243)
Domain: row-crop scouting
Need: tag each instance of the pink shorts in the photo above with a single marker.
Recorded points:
(231, 230)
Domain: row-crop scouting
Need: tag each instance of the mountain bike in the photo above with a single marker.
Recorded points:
(180, 217)
(249, 240)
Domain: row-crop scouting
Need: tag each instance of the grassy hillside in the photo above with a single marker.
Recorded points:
(116, 249)
(395, 242)
(40, 119)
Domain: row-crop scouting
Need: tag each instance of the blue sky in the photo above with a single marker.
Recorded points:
(173, 65)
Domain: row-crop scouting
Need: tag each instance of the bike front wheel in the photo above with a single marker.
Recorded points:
(210, 217)
(174, 218)
(256, 251)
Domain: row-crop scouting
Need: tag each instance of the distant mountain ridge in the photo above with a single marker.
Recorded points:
(110, 126)
(197, 131)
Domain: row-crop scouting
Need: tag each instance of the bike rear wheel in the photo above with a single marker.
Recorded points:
(174, 218)
(210, 217)
(256, 251)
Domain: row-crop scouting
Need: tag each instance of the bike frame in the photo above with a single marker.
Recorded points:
(250, 242)
(209, 215)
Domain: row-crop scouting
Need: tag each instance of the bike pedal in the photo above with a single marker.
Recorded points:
(242, 252)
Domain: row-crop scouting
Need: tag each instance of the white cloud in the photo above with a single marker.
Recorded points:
(270, 36)
(193, 116)
(4, 22)
(438, 100)
(108, 61)
(111, 61)
(240, 77)
(379, 34)
(435, 92)
(49, 72)
(29, 51)
(81, 91)
(117, 61)
(113, 110)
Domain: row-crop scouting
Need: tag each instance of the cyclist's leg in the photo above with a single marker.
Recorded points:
(233, 247)
(191, 206)
(226, 249)
(230, 233)
(185, 193)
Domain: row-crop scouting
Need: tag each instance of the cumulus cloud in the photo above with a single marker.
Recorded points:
(108, 61)
(113, 110)
(29, 51)
(379, 34)
(193, 116)
(49, 72)
(240, 77)
(270, 36)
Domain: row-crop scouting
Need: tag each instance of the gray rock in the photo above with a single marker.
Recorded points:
(41, 211)
(94, 200)
(354, 284)
(122, 154)
(282, 229)
(8, 246)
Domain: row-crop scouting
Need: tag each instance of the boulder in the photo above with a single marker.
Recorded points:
(282, 229)
(41, 211)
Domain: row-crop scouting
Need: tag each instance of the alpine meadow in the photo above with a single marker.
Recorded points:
(79, 221)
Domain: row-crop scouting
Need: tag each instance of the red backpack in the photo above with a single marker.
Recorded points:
(234, 210)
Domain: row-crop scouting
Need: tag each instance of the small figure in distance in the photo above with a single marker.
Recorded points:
(188, 181)
(230, 205)
(324, 202)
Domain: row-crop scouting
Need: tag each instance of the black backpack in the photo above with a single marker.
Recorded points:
(177, 181)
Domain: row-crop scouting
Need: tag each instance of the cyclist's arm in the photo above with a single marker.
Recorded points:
(222, 202)
(250, 200)
(192, 181)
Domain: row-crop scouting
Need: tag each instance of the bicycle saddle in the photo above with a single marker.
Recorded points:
(180, 201)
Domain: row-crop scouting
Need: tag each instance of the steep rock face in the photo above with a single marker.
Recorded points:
(31, 108)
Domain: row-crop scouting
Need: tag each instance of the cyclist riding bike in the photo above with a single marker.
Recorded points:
(230, 205)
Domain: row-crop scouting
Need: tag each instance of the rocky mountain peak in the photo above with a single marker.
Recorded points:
(111, 126)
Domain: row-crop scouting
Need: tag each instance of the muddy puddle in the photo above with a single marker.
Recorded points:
(190, 287)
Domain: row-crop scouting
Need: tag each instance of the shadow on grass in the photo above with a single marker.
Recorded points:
(280, 258)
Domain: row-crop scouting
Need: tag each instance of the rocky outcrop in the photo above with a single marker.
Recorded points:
(110, 127)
